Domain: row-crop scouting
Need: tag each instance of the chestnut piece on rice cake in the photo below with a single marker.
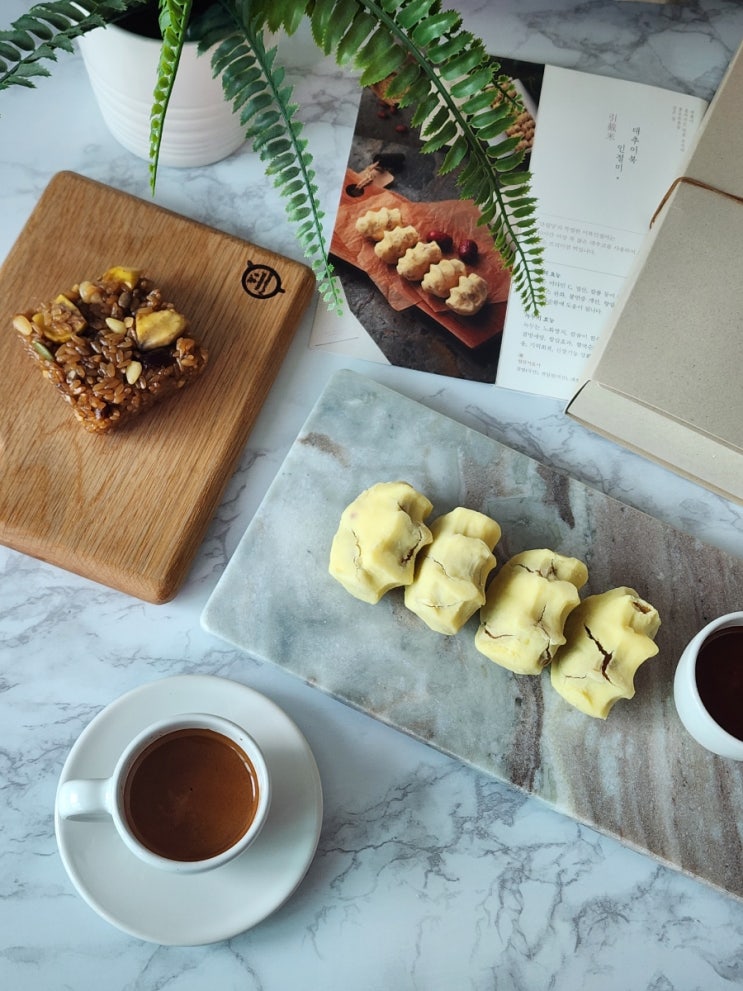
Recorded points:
(113, 347)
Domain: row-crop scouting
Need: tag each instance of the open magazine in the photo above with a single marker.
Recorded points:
(602, 153)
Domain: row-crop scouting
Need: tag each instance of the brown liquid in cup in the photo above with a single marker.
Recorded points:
(719, 674)
(190, 795)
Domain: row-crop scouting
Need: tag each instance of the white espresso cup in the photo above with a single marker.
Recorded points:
(704, 688)
(188, 794)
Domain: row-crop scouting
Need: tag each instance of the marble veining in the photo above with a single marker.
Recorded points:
(430, 875)
(625, 775)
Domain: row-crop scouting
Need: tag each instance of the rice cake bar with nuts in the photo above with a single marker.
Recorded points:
(113, 347)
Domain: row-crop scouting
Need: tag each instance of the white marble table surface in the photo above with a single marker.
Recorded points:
(428, 875)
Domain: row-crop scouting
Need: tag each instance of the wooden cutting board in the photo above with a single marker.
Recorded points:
(129, 509)
(460, 218)
(638, 775)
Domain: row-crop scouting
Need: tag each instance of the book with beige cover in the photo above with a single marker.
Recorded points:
(664, 378)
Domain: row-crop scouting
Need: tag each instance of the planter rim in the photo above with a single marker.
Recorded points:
(200, 127)
(117, 29)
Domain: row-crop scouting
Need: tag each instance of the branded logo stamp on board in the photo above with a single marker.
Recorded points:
(261, 281)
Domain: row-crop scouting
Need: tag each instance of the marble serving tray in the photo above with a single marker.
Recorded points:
(637, 775)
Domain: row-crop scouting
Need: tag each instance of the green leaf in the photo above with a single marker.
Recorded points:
(464, 64)
(380, 66)
(227, 50)
(435, 26)
(454, 157)
(447, 47)
(276, 135)
(440, 117)
(352, 41)
(24, 41)
(8, 51)
(479, 101)
(44, 29)
(414, 11)
(57, 20)
(438, 69)
(330, 29)
(517, 179)
(174, 17)
(487, 132)
(404, 79)
(471, 84)
(34, 27)
(444, 137)
(419, 94)
(510, 162)
(491, 116)
(376, 59)
(278, 15)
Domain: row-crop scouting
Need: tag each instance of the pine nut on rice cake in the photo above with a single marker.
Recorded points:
(113, 347)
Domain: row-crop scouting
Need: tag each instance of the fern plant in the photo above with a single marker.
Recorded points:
(459, 100)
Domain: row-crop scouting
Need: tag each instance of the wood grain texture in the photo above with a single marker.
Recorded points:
(129, 509)
(457, 217)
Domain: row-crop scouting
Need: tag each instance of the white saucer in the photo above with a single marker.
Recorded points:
(189, 910)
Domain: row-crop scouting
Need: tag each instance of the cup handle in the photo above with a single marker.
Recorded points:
(85, 799)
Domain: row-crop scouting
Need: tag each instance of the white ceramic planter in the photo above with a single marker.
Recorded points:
(200, 127)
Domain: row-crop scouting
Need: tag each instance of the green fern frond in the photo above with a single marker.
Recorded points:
(278, 15)
(174, 18)
(461, 104)
(47, 28)
(257, 88)
(459, 101)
